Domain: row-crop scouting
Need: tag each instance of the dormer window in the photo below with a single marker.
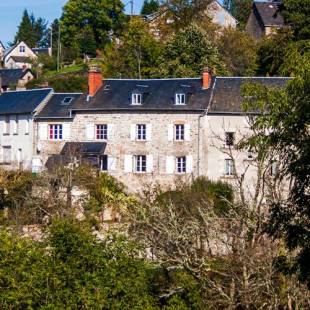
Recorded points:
(136, 99)
(179, 98)
(66, 101)
(22, 49)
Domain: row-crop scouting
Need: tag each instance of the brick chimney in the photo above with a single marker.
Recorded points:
(206, 78)
(95, 80)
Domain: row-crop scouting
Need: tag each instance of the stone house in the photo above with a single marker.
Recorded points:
(265, 19)
(14, 78)
(17, 128)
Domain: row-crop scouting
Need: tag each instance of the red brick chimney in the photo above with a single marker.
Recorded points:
(95, 80)
(206, 78)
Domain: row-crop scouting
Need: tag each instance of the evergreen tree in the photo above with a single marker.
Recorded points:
(149, 7)
(24, 32)
(240, 9)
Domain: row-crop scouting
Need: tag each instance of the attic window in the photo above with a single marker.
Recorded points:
(179, 98)
(66, 100)
(107, 87)
(22, 49)
(136, 99)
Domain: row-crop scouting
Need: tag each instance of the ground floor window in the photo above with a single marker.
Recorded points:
(140, 163)
(55, 132)
(181, 164)
(229, 167)
(103, 160)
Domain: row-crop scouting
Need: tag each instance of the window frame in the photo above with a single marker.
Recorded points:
(141, 132)
(101, 132)
(229, 167)
(181, 165)
(7, 125)
(22, 48)
(55, 132)
(230, 137)
(66, 103)
(179, 132)
(140, 163)
(180, 98)
(136, 98)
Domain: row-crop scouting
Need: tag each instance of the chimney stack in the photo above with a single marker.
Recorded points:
(95, 80)
(206, 78)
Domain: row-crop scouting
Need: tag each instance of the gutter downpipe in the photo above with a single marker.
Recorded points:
(199, 126)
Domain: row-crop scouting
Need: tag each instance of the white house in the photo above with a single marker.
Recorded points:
(19, 56)
(2, 49)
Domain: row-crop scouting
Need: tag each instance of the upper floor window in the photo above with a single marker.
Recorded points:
(55, 132)
(22, 49)
(102, 132)
(179, 132)
(229, 138)
(179, 98)
(15, 125)
(181, 164)
(136, 99)
(27, 125)
(229, 167)
(6, 129)
(140, 163)
(141, 132)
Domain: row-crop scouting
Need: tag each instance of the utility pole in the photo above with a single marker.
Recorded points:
(131, 2)
(58, 50)
(51, 41)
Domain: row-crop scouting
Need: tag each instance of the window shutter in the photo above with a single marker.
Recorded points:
(66, 131)
(148, 132)
(133, 132)
(90, 132)
(170, 164)
(110, 131)
(170, 132)
(189, 164)
(111, 163)
(42, 131)
(149, 163)
(128, 163)
(187, 132)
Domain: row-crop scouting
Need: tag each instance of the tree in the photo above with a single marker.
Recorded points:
(285, 127)
(24, 32)
(188, 53)
(149, 7)
(101, 19)
(238, 51)
(136, 55)
(240, 9)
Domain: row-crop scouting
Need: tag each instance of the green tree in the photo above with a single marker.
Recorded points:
(287, 124)
(240, 9)
(24, 32)
(104, 18)
(188, 53)
(238, 50)
(136, 55)
(149, 7)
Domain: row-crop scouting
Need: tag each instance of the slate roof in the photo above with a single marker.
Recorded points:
(22, 59)
(12, 76)
(22, 102)
(84, 148)
(55, 108)
(157, 95)
(269, 13)
(227, 99)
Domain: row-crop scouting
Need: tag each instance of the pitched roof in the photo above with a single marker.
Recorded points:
(1, 44)
(22, 102)
(12, 76)
(57, 108)
(269, 13)
(157, 95)
(227, 99)
(23, 59)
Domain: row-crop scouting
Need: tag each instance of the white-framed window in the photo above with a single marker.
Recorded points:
(55, 132)
(229, 138)
(27, 125)
(179, 132)
(6, 129)
(179, 98)
(139, 163)
(141, 132)
(101, 131)
(15, 125)
(22, 49)
(229, 167)
(181, 164)
(136, 99)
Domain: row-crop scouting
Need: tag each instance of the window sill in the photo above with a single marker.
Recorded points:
(15, 134)
(27, 134)
(6, 134)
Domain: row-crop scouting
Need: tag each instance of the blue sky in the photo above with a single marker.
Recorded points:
(11, 12)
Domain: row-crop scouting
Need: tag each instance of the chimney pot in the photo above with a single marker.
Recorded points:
(206, 79)
(95, 80)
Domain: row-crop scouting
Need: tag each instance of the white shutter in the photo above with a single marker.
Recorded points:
(42, 131)
(90, 131)
(110, 131)
(187, 132)
(170, 132)
(66, 131)
(189, 164)
(149, 163)
(111, 163)
(170, 164)
(128, 163)
(148, 132)
(133, 132)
